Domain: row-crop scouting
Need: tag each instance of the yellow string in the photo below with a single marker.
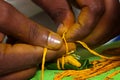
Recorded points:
(63, 62)
(58, 63)
(100, 67)
(111, 75)
(63, 57)
(66, 44)
(43, 63)
(91, 51)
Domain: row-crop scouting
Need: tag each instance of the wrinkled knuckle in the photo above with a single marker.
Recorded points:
(59, 14)
(33, 33)
(97, 8)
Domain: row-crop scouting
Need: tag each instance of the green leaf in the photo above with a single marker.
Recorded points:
(51, 66)
(85, 64)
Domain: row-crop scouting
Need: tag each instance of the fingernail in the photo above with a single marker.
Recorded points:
(54, 41)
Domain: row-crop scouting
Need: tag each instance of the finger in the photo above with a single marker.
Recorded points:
(1, 37)
(112, 52)
(22, 56)
(52, 55)
(15, 24)
(60, 12)
(108, 27)
(91, 11)
(20, 75)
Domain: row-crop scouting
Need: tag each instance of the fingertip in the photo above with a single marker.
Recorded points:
(71, 46)
(67, 22)
(54, 41)
(1, 37)
(73, 32)
(61, 29)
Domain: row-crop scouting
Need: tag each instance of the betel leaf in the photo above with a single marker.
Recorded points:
(51, 66)
(85, 64)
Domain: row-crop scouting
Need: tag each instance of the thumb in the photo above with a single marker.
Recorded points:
(17, 25)
(1, 37)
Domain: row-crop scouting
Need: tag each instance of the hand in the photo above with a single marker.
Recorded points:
(15, 24)
(97, 22)
(18, 60)
(112, 52)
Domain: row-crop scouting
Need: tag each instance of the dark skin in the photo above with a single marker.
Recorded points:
(19, 59)
(97, 23)
(18, 26)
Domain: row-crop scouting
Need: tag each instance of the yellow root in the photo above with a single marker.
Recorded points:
(68, 59)
(71, 60)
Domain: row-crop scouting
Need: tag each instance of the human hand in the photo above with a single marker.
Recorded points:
(97, 22)
(112, 52)
(18, 60)
(16, 25)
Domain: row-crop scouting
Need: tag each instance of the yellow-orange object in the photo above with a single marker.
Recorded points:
(99, 66)
(67, 58)
(111, 75)
(43, 63)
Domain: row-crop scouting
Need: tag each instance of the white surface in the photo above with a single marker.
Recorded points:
(27, 7)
